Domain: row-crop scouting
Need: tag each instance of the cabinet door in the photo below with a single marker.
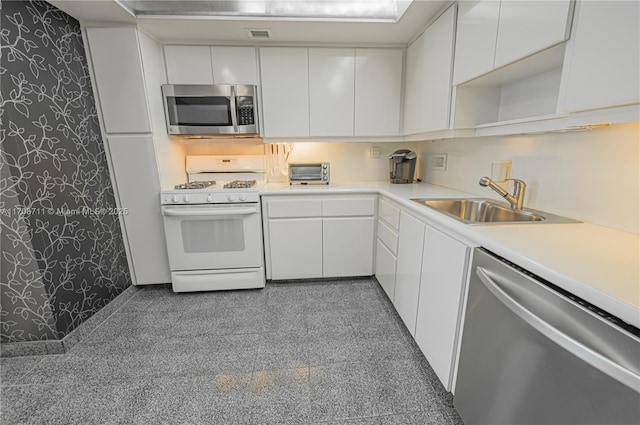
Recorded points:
(119, 79)
(386, 269)
(285, 91)
(378, 87)
(347, 246)
(476, 34)
(438, 62)
(331, 91)
(604, 61)
(295, 248)
(527, 27)
(188, 64)
(234, 65)
(408, 269)
(414, 87)
(428, 90)
(440, 304)
(135, 173)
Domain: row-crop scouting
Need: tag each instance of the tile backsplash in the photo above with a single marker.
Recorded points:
(590, 175)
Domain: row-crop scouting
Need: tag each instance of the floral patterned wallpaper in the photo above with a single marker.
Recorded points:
(63, 255)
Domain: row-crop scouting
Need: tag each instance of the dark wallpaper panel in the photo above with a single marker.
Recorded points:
(63, 254)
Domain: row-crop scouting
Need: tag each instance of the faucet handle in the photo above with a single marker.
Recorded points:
(518, 185)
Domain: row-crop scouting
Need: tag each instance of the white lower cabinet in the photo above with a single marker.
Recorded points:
(347, 246)
(295, 245)
(442, 285)
(386, 269)
(318, 236)
(387, 245)
(410, 245)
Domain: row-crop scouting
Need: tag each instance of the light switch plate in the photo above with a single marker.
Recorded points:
(375, 152)
(438, 162)
(500, 170)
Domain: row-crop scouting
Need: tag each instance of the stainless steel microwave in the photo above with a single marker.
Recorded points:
(220, 109)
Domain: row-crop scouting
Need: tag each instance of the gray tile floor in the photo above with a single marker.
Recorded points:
(292, 353)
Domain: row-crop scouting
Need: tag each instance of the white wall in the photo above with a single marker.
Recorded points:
(169, 152)
(588, 175)
(350, 161)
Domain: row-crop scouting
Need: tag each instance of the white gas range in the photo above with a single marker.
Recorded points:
(213, 224)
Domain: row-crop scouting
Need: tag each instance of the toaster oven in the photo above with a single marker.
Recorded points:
(312, 173)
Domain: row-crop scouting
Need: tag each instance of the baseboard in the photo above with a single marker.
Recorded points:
(61, 346)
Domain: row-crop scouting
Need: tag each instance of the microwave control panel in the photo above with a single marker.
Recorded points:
(245, 110)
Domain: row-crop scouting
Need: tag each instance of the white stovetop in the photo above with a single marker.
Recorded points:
(596, 263)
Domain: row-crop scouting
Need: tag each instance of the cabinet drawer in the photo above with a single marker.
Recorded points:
(345, 207)
(389, 213)
(289, 208)
(388, 236)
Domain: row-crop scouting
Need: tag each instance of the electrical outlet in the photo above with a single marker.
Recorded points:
(374, 152)
(439, 162)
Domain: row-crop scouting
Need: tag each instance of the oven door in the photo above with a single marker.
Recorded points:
(211, 237)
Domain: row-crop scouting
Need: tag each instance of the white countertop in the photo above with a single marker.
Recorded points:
(598, 264)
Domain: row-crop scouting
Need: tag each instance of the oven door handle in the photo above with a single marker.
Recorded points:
(210, 212)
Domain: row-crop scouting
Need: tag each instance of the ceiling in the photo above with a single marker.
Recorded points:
(233, 30)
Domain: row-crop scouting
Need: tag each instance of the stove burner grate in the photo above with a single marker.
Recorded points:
(200, 184)
(240, 184)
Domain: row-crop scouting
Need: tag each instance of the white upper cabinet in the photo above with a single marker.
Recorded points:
(603, 61)
(378, 92)
(331, 91)
(119, 79)
(475, 38)
(188, 64)
(438, 62)
(234, 65)
(428, 81)
(285, 91)
(211, 65)
(414, 87)
(492, 33)
(527, 27)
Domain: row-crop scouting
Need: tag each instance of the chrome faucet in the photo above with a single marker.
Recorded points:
(516, 200)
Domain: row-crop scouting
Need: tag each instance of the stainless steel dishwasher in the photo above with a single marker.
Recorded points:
(533, 354)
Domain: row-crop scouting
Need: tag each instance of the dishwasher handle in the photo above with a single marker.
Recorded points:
(588, 355)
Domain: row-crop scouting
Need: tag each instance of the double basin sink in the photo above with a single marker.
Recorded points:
(487, 211)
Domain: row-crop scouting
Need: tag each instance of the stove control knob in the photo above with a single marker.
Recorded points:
(242, 197)
(231, 197)
(187, 198)
(175, 199)
(210, 198)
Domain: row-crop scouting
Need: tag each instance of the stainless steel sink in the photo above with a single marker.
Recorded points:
(488, 211)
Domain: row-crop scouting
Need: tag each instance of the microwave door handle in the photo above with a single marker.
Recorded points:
(234, 111)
